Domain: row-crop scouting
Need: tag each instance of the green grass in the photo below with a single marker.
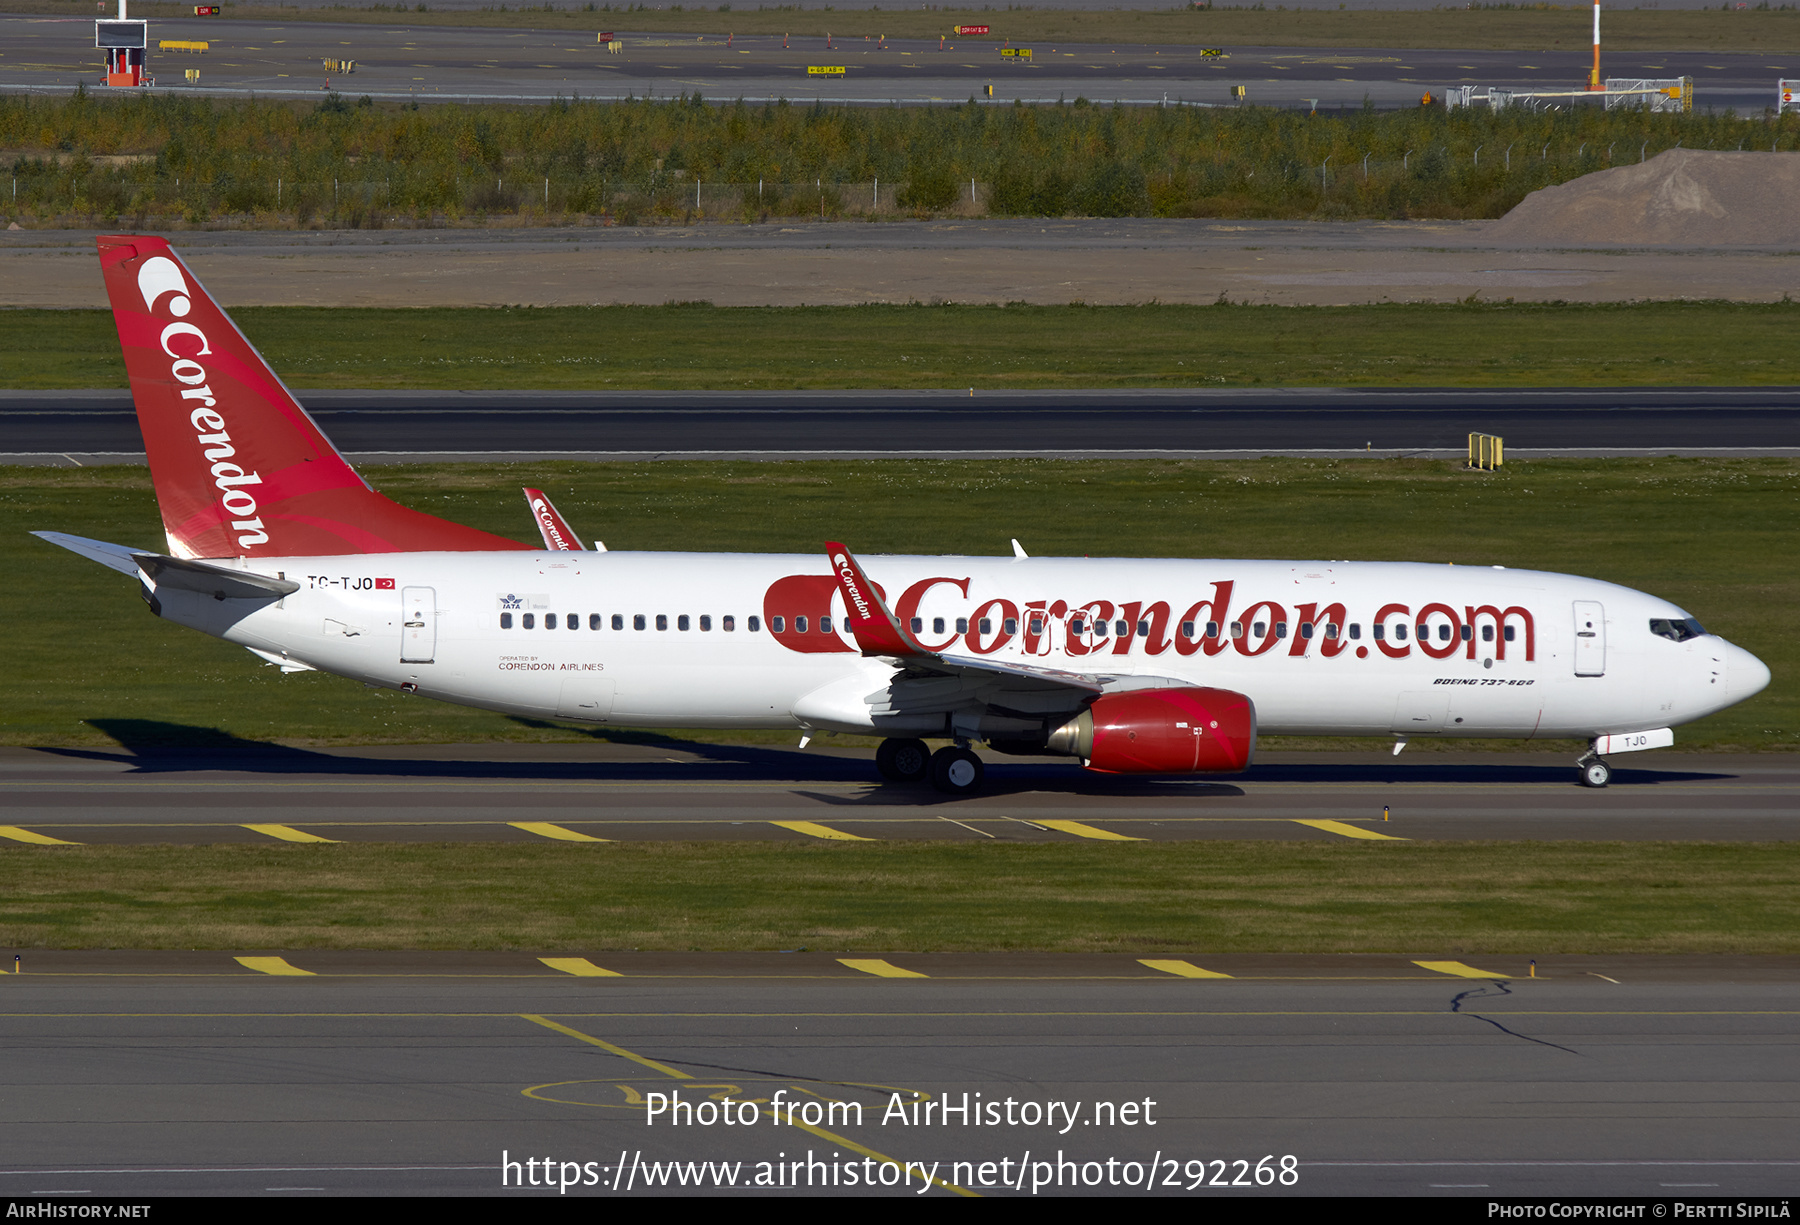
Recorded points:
(1538, 27)
(1716, 536)
(1138, 899)
(705, 347)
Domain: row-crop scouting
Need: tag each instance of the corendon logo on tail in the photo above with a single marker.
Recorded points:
(160, 277)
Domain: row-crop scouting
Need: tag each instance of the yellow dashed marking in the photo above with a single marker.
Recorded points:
(25, 835)
(1457, 969)
(879, 968)
(1086, 831)
(1181, 969)
(580, 967)
(287, 833)
(272, 965)
(815, 830)
(1351, 831)
(545, 829)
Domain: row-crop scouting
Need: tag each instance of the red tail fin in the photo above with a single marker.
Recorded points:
(239, 467)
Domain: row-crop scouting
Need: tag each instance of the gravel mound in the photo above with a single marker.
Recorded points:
(1684, 197)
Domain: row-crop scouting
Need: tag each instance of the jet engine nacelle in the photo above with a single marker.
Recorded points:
(1162, 731)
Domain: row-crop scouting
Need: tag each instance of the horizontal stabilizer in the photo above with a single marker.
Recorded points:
(176, 572)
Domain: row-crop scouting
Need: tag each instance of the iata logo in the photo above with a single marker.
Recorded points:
(160, 278)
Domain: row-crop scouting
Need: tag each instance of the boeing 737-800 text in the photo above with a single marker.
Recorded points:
(1130, 665)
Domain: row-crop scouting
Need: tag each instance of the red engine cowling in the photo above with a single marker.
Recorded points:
(1162, 731)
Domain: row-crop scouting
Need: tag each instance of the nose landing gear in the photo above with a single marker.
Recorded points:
(1594, 770)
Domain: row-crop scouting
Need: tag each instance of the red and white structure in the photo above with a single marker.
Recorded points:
(1129, 665)
(123, 42)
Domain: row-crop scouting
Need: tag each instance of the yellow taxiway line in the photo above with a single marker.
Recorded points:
(273, 965)
(1351, 831)
(25, 835)
(287, 833)
(1081, 830)
(814, 830)
(581, 967)
(547, 829)
(1181, 969)
(879, 968)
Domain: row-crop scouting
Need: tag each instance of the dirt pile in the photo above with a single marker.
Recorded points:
(1686, 197)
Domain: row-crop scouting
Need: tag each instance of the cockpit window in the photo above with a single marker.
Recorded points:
(1675, 630)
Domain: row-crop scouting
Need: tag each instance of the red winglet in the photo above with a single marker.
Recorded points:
(876, 630)
(551, 525)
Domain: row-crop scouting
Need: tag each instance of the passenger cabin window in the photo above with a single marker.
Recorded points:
(753, 624)
(1036, 623)
(505, 621)
(1281, 629)
(549, 621)
(1010, 625)
(918, 625)
(778, 624)
(962, 625)
(1237, 629)
(1099, 629)
(1212, 629)
(1077, 627)
(681, 623)
(799, 625)
(1468, 632)
(593, 621)
(662, 621)
(987, 626)
(824, 625)
(1187, 629)
(1121, 629)
(637, 621)
(1399, 632)
(937, 625)
(729, 625)
(572, 620)
(1143, 629)
(529, 621)
(1356, 630)
(1306, 629)
(618, 621)
(705, 624)
(1510, 631)
(1381, 632)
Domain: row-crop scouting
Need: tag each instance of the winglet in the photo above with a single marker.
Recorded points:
(876, 630)
(557, 533)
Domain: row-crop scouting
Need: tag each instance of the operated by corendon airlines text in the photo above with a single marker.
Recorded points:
(1028, 1172)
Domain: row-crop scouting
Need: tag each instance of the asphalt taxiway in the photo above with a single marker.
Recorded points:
(89, 427)
(438, 63)
(648, 788)
(233, 1077)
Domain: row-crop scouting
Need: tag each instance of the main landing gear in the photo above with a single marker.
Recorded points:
(903, 761)
(953, 770)
(1594, 770)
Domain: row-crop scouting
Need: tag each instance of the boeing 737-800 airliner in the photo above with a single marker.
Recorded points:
(1131, 666)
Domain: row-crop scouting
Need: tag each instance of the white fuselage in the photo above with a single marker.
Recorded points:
(1327, 648)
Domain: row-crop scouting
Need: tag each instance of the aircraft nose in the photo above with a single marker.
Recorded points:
(1745, 674)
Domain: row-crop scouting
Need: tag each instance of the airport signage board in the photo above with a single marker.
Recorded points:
(1023, 53)
(1787, 97)
(824, 72)
(971, 29)
(206, 10)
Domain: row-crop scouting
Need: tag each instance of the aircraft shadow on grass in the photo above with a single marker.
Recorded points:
(152, 746)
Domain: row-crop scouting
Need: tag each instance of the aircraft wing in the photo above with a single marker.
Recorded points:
(177, 572)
